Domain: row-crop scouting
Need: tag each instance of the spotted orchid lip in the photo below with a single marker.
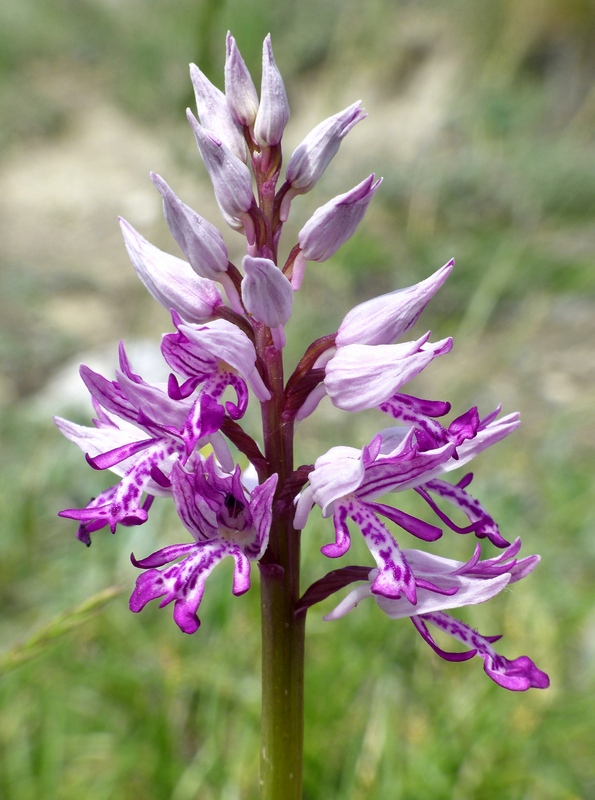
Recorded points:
(225, 520)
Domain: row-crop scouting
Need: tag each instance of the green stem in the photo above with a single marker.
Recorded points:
(282, 633)
(282, 691)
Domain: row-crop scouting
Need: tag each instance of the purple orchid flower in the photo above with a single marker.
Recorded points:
(139, 434)
(345, 482)
(215, 355)
(366, 369)
(445, 584)
(225, 520)
(361, 376)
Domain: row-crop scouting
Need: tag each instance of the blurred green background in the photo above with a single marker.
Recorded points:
(481, 120)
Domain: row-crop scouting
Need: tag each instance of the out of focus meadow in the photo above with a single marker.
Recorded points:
(481, 120)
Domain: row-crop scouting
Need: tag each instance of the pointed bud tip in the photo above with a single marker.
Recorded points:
(158, 182)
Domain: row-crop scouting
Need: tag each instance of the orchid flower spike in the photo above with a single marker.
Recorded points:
(183, 441)
(447, 584)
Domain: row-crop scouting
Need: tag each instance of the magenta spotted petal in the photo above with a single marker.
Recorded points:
(139, 434)
(517, 675)
(184, 583)
(214, 347)
(225, 520)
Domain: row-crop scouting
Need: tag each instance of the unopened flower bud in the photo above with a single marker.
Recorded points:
(384, 319)
(273, 112)
(170, 280)
(215, 115)
(313, 155)
(231, 178)
(267, 295)
(332, 225)
(201, 242)
(240, 92)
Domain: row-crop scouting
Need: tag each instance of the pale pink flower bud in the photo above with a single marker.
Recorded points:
(201, 242)
(215, 114)
(231, 178)
(240, 92)
(384, 319)
(332, 225)
(273, 112)
(313, 155)
(170, 280)
(267, 295)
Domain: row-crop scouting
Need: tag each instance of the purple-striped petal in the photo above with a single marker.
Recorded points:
(394, 577)
(472, 508)
(261, 506)
(226, 342)
(517, 675)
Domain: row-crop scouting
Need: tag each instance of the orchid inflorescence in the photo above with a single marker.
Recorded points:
(174, 440)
